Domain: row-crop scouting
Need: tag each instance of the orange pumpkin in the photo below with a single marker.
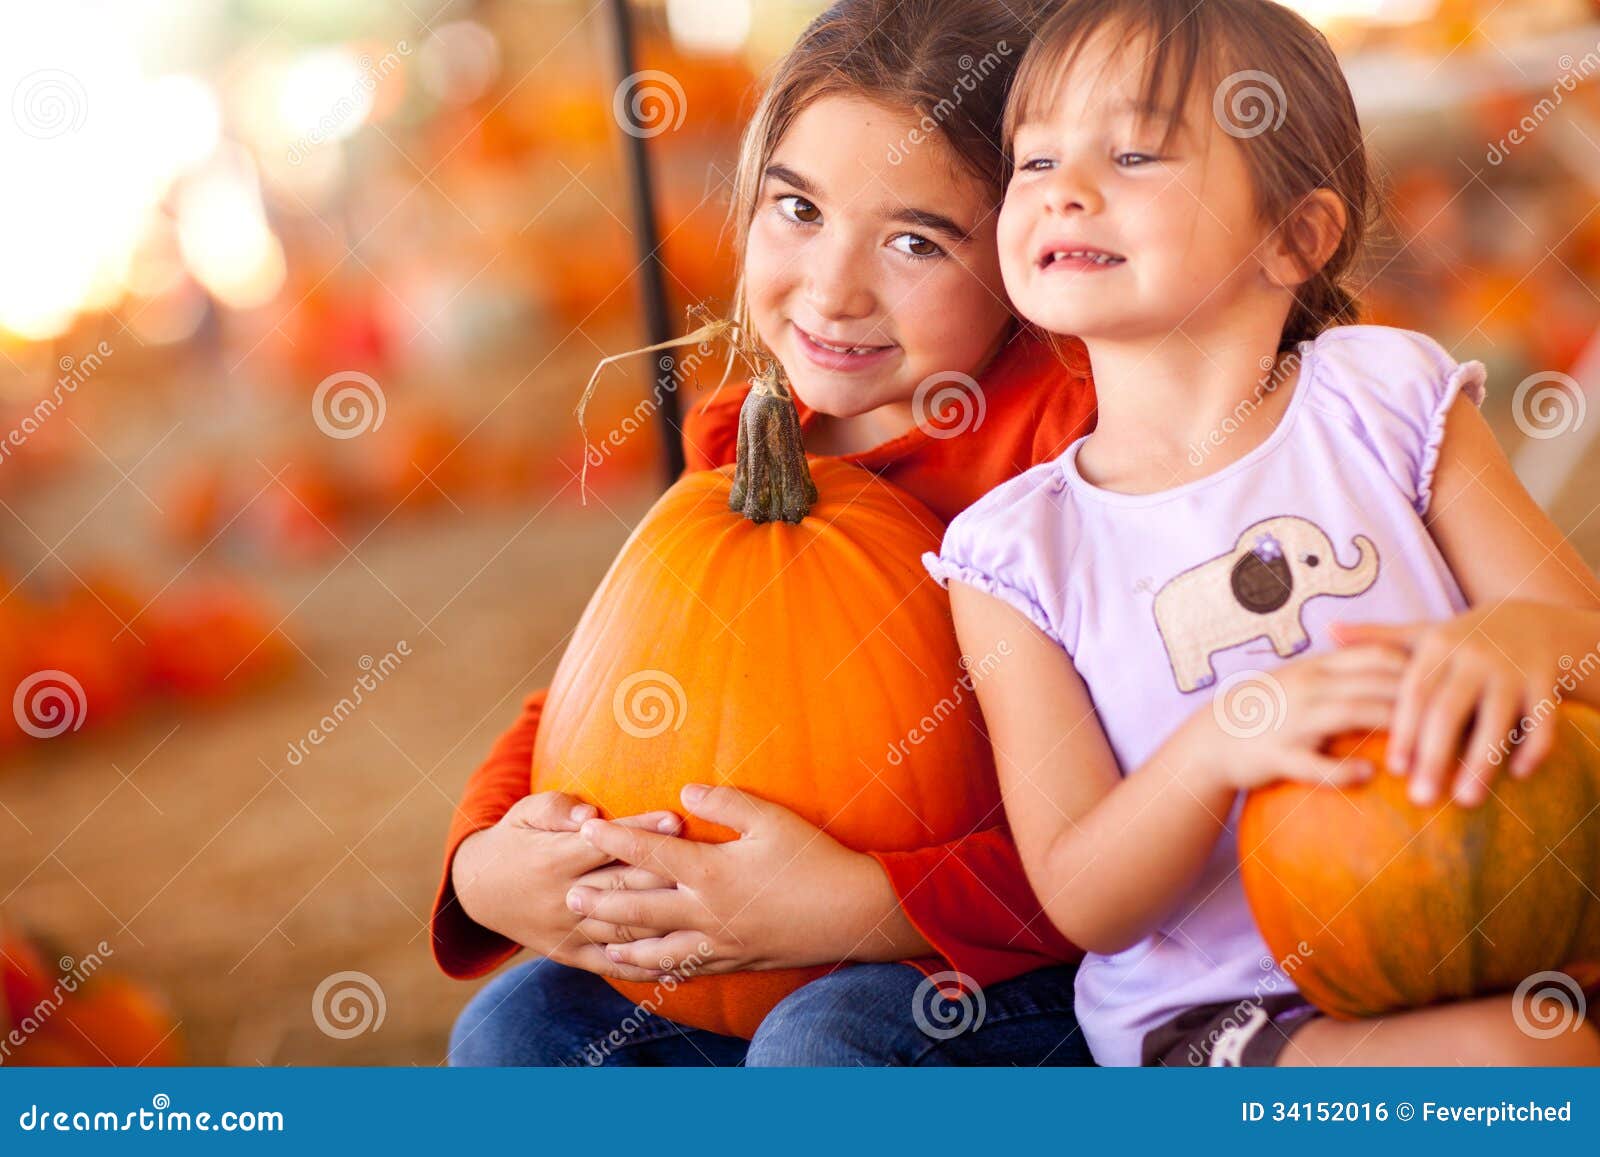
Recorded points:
(1373, 904)
(784, 639)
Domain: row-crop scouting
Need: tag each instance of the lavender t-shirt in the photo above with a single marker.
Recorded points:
(1186, 599)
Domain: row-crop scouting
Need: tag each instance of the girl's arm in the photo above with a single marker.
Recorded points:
(1110, 855)
(1535, 611)
(462, 947)
(1490, 530)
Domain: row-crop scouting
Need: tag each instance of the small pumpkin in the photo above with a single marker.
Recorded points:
(769, 626)
(1372, 904)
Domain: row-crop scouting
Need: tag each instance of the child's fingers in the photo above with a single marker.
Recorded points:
(668, 856)
(551, 811)
(622, 876)
(687, 953)
(659, 910)
(1488, 743)
(1314, 767)
(1394, 637)
(1368, 657)
(593, 958)
(603, 932)
(1426, 670)
(1537, 740)
(665, 822)
(1367, 711)
(1439, 730)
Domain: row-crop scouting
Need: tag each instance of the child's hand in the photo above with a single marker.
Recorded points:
(784, 895)
(513, 878)
(1498, 663)
(1273, 725)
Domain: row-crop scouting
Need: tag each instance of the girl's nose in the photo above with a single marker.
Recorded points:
(1070, 191)
(836, 286)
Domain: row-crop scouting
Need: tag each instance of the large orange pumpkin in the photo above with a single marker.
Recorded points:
(782, 638)
(1373, 904)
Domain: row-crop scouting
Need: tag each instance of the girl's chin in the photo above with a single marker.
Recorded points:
(834, 398)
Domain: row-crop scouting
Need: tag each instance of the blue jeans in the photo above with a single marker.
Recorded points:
(543, 1013)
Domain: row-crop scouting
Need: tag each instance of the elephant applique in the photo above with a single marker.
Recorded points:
(1255, 590)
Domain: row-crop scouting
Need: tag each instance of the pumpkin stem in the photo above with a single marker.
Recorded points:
(771, 479)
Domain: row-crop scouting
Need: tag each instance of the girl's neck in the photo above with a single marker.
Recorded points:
(834, 437)
(1180, 406)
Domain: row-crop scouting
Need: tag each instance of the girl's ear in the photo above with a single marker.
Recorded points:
(1302, 245)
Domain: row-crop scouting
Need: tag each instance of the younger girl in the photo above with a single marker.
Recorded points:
(1189, 193)
(865, 210)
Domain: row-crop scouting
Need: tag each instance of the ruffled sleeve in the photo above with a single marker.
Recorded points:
(998, 545)
(1395, 389)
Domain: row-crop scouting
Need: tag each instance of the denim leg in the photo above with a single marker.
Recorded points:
(546, 1014)
(890, 1014)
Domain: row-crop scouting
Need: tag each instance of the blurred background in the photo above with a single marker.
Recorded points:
(296, 301)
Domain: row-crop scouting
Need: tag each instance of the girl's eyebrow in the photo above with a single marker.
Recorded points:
(919, 218)
(789, 177)
(931, 221)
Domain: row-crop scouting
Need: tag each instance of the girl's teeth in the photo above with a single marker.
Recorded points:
(1097, 258)
(841, 349)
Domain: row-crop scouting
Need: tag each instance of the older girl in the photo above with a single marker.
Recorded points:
(865, 216)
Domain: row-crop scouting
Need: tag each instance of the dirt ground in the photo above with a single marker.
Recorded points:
(237, 882)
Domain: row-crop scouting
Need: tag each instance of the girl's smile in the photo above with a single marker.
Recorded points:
(841, 356)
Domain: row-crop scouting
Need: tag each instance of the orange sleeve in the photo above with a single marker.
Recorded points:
(973, 904)
(462, 947)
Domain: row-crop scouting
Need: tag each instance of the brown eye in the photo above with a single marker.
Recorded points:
(915, 246)
(797, 208)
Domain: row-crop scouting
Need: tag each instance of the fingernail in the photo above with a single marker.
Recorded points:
(694, 792)
(589, 829)
(615, 955)
(575, 901)
(1421, 793)
(582, 812)
(1397, 762)
(667, 824)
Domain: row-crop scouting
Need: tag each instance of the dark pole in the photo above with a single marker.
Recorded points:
(653, 287)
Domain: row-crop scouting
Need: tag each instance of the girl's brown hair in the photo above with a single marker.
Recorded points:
(949, 61)
(1276, 86)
